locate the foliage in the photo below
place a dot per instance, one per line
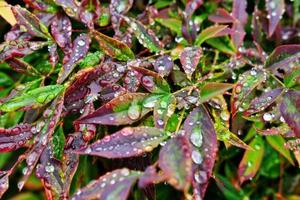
(111, 99)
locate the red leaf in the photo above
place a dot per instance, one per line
(15, 138)
(113, 185)
(125, 109)
(80, 48)
(290, 110)
(199, 129)
(275, 10)
(128, 142)
(176, 163)
(163, 65)
(239, 11)
(221, 16)
(189, 59)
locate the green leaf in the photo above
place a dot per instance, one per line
(163, 110)
(91, 59)
(145, 36)
(171, 23)
(251, 160)
(210, 32)
(113, 47)
(33, 99)
(5, 80)
(293, 79)
(277, 142)
(210, 90)
(58, 141)
(223, 44)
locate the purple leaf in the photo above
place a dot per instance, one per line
(275, 10)
(290, 110)
(4, 182)
(262, 102)
(124, 109)
(128, 142)
(53, 55)
(40, 5)
(176, 163)
(199, 129)
(30, 22)
(152, 81)
(237, 33)
(71, 7)
(89, 11)
(13, 49)
(22, 67)
(163, 65)
(283, 59)
(188, 97)
(15, 138)
(132, 80)
(61, 30)
(163, 110)
(239, 11)
(45, 129)
(111, 91)
(80, 48)
(189, 59)
(221, 16)
(113, 185)
(117, 7)
(247, 82)
(191, 6)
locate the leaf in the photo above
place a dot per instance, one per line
(30, 22)
(120, 6)
(61, 30)
(113, 185)
(221, 16)
(210, 32)
(275, 10)
(239, 11)
(132, 80)
(189, 59)
(262, 102)
(247, 82)
(42, 5)
(199, 129)
(223, 44)
(237, 34)
(251, 161)
(152, 81)
(71, 7)
(6, 13)
(225, 135)
(124, 109)
(80, 48)
(163, 110)
(5, 80)
(4, 182)
(22, 67)
(211, 90)
(13, 49)
(89, 11)
(15, 138)
(163, 65)
(277, 142)
(290, 110)
(58, 141)
(283, 59)
(128, 142)
(44, 128)
(172, 23)
(113, 47)
(32, 99)
(145, 36)
(175, 161)
(293, 79)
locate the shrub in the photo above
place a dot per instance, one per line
(110, 100)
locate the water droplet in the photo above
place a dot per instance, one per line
(24, 171)
(197, 157)
(225, 115)
(281, 119)
(238, 89)
(81, 43)
(267, 117)
(21, 184)
(160, 122)
(148, 148)
(49, 168)
(134, 111)
(196, 137)
(253, 72)
(249, 163)
(200, 177)
(88, 150)
(125, 172)
(102, 185)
